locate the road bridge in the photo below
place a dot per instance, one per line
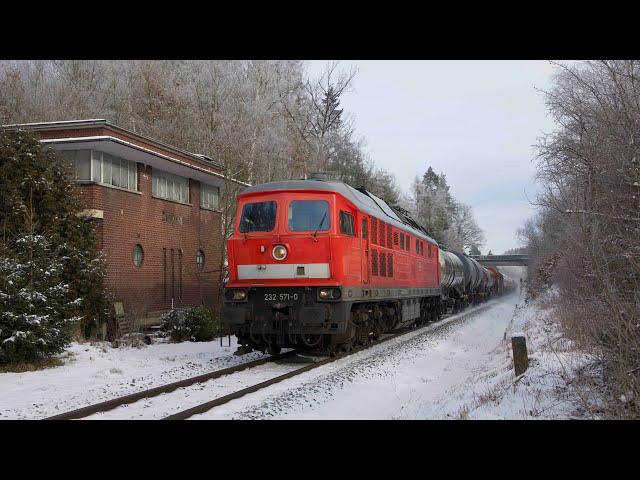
(515, 260)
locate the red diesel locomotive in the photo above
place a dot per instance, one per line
(317, 264)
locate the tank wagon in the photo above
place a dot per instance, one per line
(320, 265)
(498, 281)
(452, 281)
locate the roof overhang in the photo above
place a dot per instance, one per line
(121, 148)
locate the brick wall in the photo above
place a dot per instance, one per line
(138, 218)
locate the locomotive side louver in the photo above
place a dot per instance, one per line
(374, 262)
(383, 264)
(390, 264)
(374, 230)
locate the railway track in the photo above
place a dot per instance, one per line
(206, 406)
(169, 387)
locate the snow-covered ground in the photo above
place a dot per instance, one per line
(453, 369)
(460, 367)
(95, 373)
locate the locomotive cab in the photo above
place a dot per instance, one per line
(284, 264)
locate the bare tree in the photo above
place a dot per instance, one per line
(585, 239)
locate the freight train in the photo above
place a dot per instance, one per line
(317, 264)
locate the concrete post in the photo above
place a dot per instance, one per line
(520, 355)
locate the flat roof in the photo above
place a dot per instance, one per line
(98, 122)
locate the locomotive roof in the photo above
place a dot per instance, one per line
(364, 200)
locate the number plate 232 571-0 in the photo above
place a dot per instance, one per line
(281, 299)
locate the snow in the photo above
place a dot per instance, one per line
(460, 367)
(98, 372)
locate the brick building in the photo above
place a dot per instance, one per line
(156, 207)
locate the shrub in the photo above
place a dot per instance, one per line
(51, 271)
(198, 324)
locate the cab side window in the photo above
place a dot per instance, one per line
(347, 225)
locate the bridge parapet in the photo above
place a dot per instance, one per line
(515, 260)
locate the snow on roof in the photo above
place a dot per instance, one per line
(59, 122)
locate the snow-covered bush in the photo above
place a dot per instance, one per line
(51, 270)
(195, 324)
(36, 315)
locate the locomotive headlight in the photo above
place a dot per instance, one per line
(279, 252)
(236, 294)
(239, 294)
(329, 293)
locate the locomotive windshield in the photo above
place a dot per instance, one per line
(258, 217)
(309, 216)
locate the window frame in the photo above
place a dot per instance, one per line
(275, 217)
(214, 189)
(200, 254)
(327, 219)
(351, 223)
(167, 182)
(133, 255)
(98, 169)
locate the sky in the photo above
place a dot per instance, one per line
(475, 121)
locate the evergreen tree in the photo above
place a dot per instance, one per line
(447, 220)
(51, 272)
(37, 316)
(331, 118)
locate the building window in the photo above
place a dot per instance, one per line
(209, 196)
(200, 259)
(170, 187)
(100, 167)
(138, 255)
(81, 163)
